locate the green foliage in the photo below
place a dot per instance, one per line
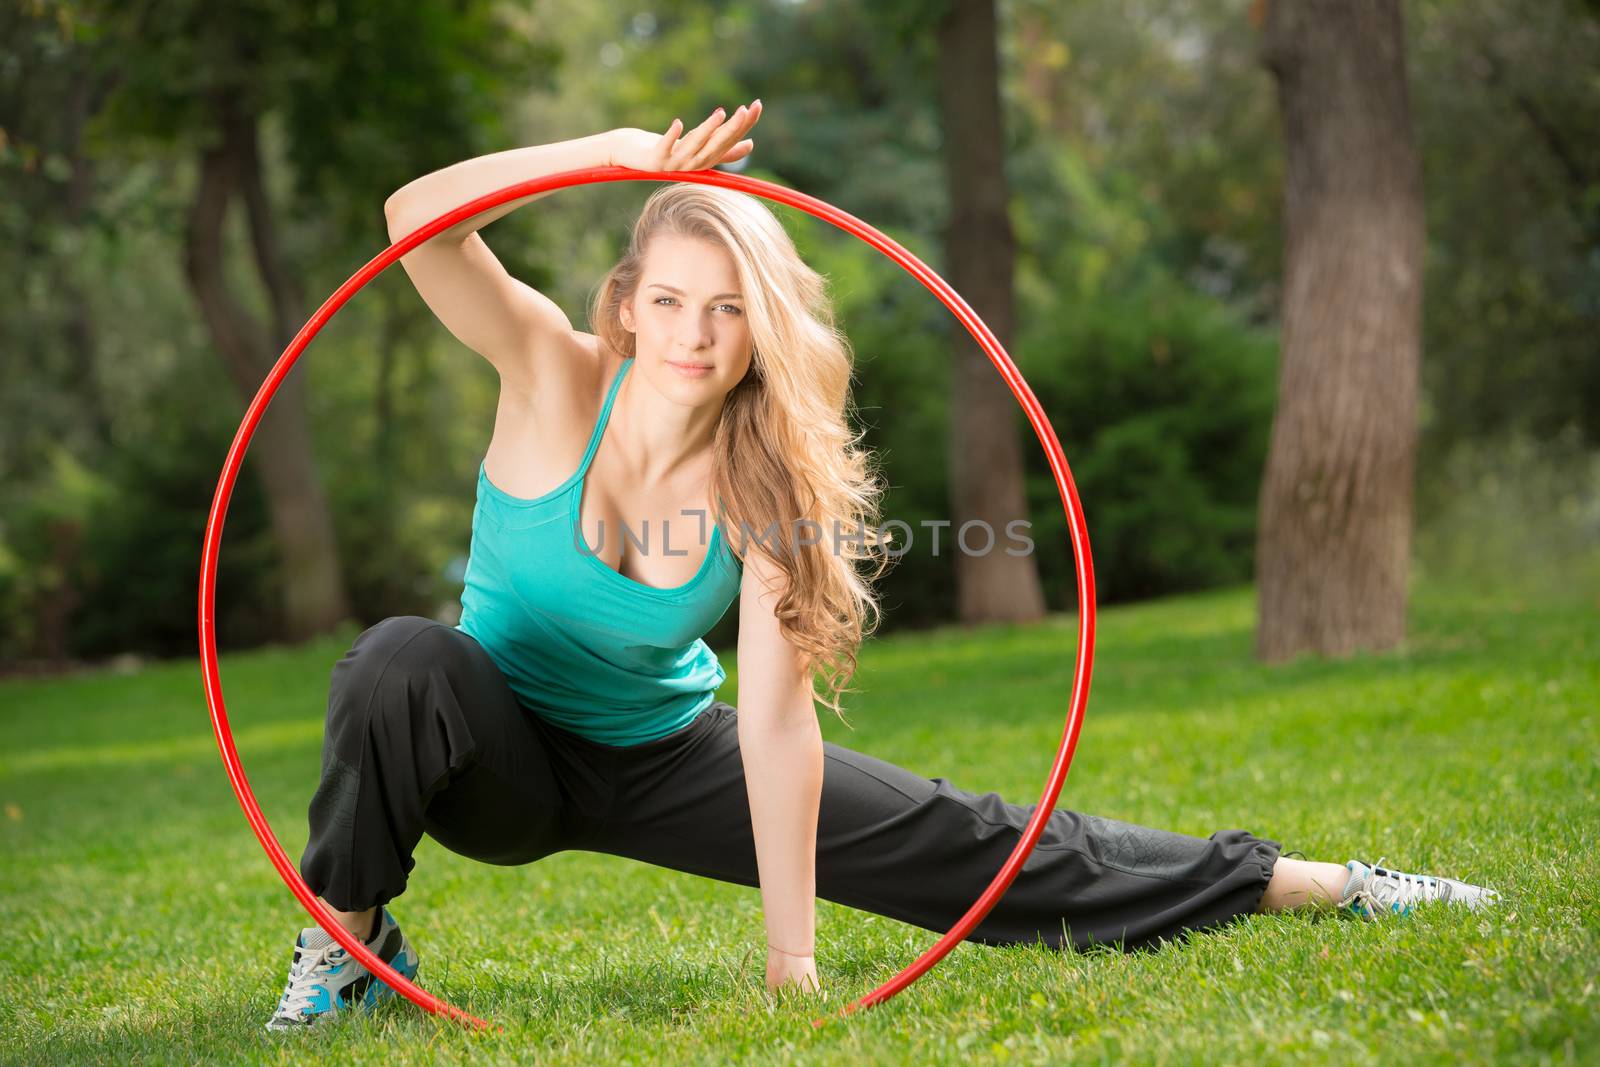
(1162, 395)
(852, 112)
(899, 335)
(369, 94)
(140, 569)
(1507, 105)
(117, 549)
(357, 98)
(1143, 152)
(41, 533)
(1513, 512)
(1163, 403)
(386, 562)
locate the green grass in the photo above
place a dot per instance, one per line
(142, 923)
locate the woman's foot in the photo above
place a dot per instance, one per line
(1373, 891)
(324, 979)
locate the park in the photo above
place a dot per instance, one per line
(1310, 321)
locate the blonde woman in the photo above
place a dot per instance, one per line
(638, 480)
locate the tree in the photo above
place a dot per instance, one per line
(862, 97)
(49, 93)
(230, 167)
(1507, 103)
(986, 467)
(1334, 542)
(362, 120)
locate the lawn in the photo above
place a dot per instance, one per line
(143, 924)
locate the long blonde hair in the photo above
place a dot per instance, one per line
(786, 469)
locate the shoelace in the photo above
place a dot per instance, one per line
(309, 966)
(1385, 888)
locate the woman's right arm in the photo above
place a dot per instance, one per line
(504, 320)
(509, 323)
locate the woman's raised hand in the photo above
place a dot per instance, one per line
(719, 139)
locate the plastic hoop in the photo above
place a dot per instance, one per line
(767, 190)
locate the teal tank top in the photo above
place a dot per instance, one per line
(583, 646)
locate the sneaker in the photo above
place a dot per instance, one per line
(1374, 890)
(325, 979)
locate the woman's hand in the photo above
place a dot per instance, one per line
(798, 971)
(712, 142)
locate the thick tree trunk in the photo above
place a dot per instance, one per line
(1334, 548)
(986, 469)
(314, 597)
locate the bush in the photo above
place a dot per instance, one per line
(140, 568)
(1162, 398)
(1163, 401)
(41, 542)
(97, 561)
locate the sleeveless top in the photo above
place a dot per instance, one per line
(584, 646)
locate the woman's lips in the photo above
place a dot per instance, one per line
(691, 370)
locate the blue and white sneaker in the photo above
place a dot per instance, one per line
(325, 979)
(1374, 891)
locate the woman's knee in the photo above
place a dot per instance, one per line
(394, 635)
(396, 652)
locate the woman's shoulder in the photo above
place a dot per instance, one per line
(572, 383)
(542, 422)
(600, 367)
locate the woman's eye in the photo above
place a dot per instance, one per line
(731, 307)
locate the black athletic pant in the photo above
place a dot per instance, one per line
(424, 735)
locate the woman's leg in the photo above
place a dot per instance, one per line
(921, 851)
(1300, 882)
(423, 735)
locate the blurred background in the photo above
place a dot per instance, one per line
(182, 183)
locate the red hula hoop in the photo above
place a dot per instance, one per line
(594, 175)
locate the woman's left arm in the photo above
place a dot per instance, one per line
(780, 744)
(782, 754)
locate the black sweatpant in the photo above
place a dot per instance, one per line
(424, 735)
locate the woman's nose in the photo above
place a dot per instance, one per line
(698, 333)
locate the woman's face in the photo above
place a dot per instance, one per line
(692, 339)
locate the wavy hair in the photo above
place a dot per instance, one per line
(786, 469)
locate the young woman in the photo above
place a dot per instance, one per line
(638, 480)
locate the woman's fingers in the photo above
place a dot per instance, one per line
(664, 147)
(736, 146)
(751, 115)
(688, 149)
(726, 137)
(717, 144)
(716, 140)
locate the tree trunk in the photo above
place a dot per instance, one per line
(52, 638)
(314, 597)
(986, 469)
(1334, 544)
(84, 102)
